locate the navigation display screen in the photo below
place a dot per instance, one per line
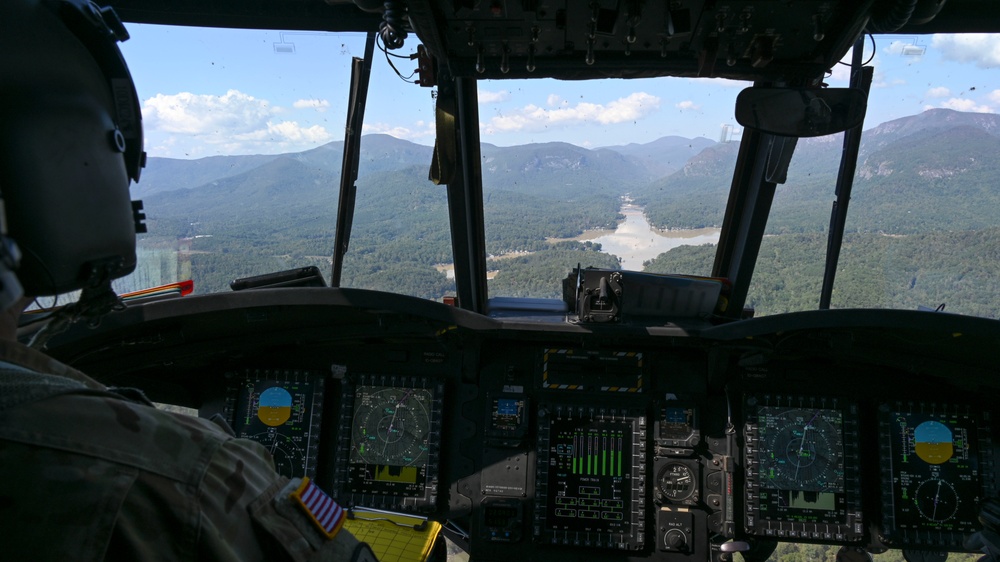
(389, 444)
(802, 468)
(933, 474)
(390, 437)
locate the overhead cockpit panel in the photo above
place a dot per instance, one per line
(739, 39)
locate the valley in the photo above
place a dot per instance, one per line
(221, 218)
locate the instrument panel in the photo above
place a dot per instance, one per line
(629, 459)
(597, 445)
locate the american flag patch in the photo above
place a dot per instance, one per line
(324, 512)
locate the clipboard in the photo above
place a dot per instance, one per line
(394, 537)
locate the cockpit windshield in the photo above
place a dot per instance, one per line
(245, 135)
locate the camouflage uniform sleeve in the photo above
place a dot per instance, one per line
(247, 513)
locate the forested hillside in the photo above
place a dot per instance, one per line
(281, 214)
(923, 228)
(922, 223)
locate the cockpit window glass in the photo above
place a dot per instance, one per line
(921, 229)
(244, 132)
(630, 174)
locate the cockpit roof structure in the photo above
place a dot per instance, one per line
(746, 40)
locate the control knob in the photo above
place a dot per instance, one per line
(675, 540)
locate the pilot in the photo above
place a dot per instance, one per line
(88, 473)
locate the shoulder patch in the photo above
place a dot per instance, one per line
(324, 512)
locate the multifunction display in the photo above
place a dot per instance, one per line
(589, 480)
(390, 437)
(802, 468)
(933, 472)
(282, 410)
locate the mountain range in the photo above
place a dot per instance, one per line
(238, 208)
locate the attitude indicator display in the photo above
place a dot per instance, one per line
(589, 478)
(934, 474)
(281, 410)
(802, 468)
(390, 437)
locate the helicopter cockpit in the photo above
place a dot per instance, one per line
(636, 416)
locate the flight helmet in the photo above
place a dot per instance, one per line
(70, 142)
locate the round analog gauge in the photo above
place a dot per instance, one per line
(676, 482)
(936, 500)
(805, 449)
(391, 426)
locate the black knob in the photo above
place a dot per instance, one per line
(675, 539)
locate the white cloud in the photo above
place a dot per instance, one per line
(533, 118)
(994, 96)
(486, 96)
(554, 100)
(198, 114)
(979, 48)
(423, 130)
(187, 124)
(687, 105)
(318, 105)
(940, 92)
(840, 74)
(962, 104)
(291, 131)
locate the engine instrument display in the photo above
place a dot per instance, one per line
(589, 488)
(391, 430)
(802, 468)
(281, 410)
(933, 475)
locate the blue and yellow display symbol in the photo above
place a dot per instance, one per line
(932, 441)
(275, 406)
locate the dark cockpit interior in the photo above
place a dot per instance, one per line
(641, 417)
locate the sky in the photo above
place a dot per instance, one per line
(207, 92)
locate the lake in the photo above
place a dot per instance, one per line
(635, 241)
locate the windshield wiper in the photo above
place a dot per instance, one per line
(360, 74)
(861, 78)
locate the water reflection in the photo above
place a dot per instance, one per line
(635, 241)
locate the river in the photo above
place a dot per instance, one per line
(635, 241)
